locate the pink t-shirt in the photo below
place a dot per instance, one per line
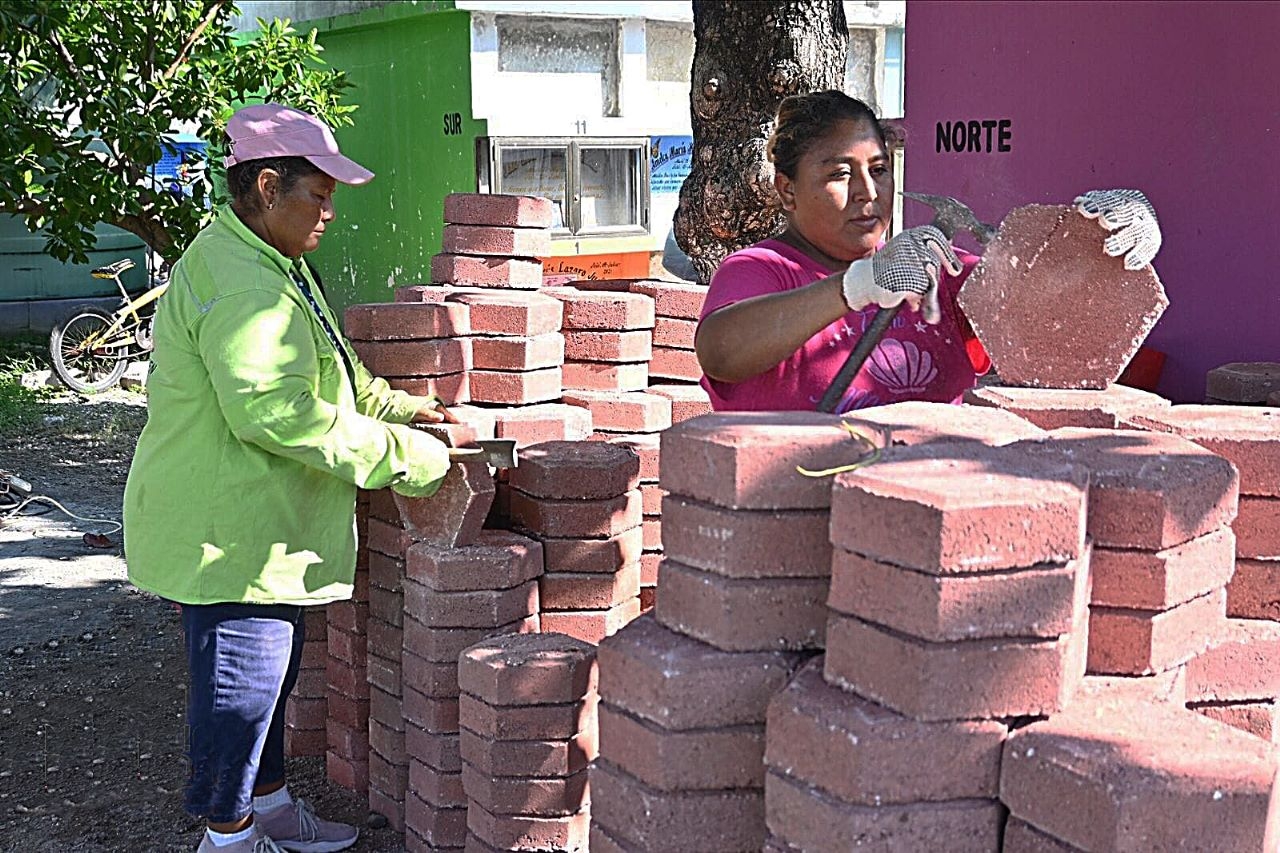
(914, 361)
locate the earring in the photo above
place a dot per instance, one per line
(271, 205)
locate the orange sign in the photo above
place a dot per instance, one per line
(595, 267)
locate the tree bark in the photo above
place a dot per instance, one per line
(747, 57)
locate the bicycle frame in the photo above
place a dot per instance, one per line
(122, 333)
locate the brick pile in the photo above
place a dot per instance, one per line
(582, 502)
(307, 711)
(346, 676)
(1244, 383)
(647, 447)
(1160, 510)
(494, 241)
(528, 723)
(608, 339)
(677, 306)
(421, 348)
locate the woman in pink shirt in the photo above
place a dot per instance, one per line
(781, 317)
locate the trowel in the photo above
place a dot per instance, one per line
(494, 452)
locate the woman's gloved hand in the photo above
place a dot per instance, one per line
(1130, 218)
(905, 270)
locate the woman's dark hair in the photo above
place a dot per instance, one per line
(242, 178)
(804, 119)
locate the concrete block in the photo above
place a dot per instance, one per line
(594, 555)
(498, 559)
(591, 626)
(605, 376)
(530, 669)
(576, 470)
(1247, 382)
(508, 211)
(1141, 642)
(476, 271)
(1054, 408)
(398, 321)
(589, 591)
(633, 411)
(689, 760)
(434, 357)
(1160, 580)
(576, 518)
(602, 310)
(542, 422)
(515, 387)
(513, 353)
(742, 543)
(1247, 436)
(493, 241)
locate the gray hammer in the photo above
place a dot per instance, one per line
(950, 216)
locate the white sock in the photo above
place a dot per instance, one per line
(272, 801)
(222, 839)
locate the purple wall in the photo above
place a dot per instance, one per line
(1178, 99)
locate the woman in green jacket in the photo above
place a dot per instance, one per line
(240, 504)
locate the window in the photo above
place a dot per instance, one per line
(600, 186)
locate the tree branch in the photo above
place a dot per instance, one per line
(210, 14)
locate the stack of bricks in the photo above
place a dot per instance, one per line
(1244, 383)
(647, 448)
(741, 592)
(454, 597)
(1160, 510)
(582, 502)
(608, 338)
(307, 711)
(952, 610)
(528, 720)
(1237, 682)
(347, 685)
(677, 305)
(420, 348)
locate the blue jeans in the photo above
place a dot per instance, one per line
(243, 660)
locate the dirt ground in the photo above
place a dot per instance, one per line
(92, 671)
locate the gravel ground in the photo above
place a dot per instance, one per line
(92, 672)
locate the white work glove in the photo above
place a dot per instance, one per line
(1130, 217)
(905, 270)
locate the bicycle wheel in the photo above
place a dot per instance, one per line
(84, 368)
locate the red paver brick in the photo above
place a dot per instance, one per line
(435, 357)
(1168, 687)
(345, 773)
(480, 608)
(595, 345)
(1022, 837)
(1054, 408)
(388, 538)
(588, 591)
(1159, 580)
(1260, 719)
(507, 795)
(747, 460)
(1248, 436)
(1257, 528)
(673, 299)
(441, 751)
(515, 353)
(672, 363)
(604, 376)
(649, 819)
(528, 669)
(432, 714)
(521, 832)
(594, 555)
(811, 820)
(1243, 381)
(384, 673)
(588, 309)
(648, 447)
(680, 683)
(674, 332)
(311, 683)
(388, 744)
(576, 470)
(1147, 490)
(528, 722)
(1254, 590)
(347, 742)
(576, 518)
(916, 422)
(648, 597)
(475, 271)
(652, 530)
(538, 759)
(440, 789)
(863, 753)
(385, 776)
(1140, 642)
(962, 507)
(687, 401)
(303, 742)
(970, 679)
(495, 312)
(443, 645)
(398, 321)
(432, 679)
(480, 421)
(1034, 602)
(689, 760)
(511, 211)
(746, 543)
(742, 614)
(450, 389)
(345, 680)
(386, 577)
(649, 563)
(591, 626)
(542, 422)
(350, 616)
(1244, 666)
(498, 559)
(494, 241)
(623, 411)
(651, 495)
(455, 514)
(1013, 300)
(349, 711)
(435, 829)
(515, 387)
(1124, 775)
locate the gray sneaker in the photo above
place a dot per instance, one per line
(256, 843)
(296, 828)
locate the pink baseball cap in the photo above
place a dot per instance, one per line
(274, 130)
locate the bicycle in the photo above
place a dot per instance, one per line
(93, 349)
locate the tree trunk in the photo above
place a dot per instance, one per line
(747, 57)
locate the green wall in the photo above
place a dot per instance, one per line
(411, 66)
